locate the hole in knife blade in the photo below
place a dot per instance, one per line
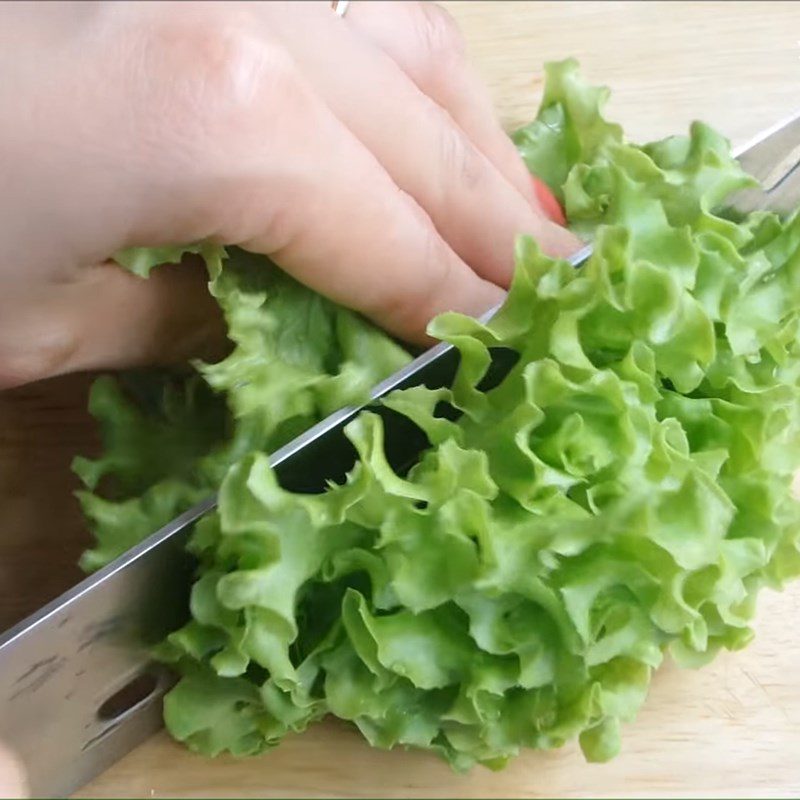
(131, 695)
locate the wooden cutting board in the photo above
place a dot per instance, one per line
(732, 729)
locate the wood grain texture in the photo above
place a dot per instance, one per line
(732, 729)
(736, 65)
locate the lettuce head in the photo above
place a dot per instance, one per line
(623, 494)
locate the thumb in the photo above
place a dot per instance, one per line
(107, 318)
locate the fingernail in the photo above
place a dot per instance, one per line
(548, 202)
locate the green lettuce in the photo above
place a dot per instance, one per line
(170, 436)
(622, 494)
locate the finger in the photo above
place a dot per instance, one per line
(107, 318)
(328, 213)
(476, 210)
(12, 776)
(252, 156)
(424, 41)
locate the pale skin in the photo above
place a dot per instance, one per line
(12, 779)
(360, 153)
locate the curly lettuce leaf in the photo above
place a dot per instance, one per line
(296, 357)
(623, 494)
(154, 426)
(141, 260)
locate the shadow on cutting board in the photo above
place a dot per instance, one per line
(42, 531)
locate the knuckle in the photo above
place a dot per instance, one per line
(279, 226)
(441, 43)
(209, 100)
(461, 165)
(413, 302)
(199, 75)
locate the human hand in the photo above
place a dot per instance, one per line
(12, 778)
(360, 153)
